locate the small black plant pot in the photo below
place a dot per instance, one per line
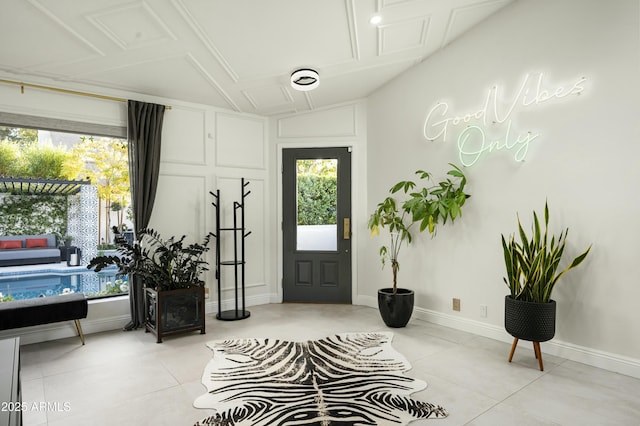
(395, 309)
(535, 322)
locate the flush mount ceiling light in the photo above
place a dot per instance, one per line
(305, 79)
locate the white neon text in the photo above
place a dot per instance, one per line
(473, 140)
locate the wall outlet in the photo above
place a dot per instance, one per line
(206, 292)
(456, 304)
(483, 311)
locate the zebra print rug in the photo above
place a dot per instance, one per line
(346, 379)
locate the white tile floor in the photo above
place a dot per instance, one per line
(125, 378)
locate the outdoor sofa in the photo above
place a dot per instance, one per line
(16, 250)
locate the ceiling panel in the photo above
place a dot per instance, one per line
(132, 26)
(403, 35)
(232, 54)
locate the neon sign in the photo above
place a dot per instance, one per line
(473, 141)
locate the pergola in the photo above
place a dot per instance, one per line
(35, 186)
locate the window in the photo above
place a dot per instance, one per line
(40, 148)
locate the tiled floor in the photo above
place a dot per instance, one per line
(125, 378)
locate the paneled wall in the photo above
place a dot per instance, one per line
(203, 149)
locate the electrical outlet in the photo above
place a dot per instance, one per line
(206, 292)
(483, 311)
(456, 304)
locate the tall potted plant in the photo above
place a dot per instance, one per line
(426, 207)
(532, 273)
(171, 272)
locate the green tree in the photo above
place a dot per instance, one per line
(105, 162)
(33, 161)
(21, 136)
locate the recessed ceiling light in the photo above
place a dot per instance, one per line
(375, 19)
(305, 79)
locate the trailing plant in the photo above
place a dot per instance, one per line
(33, 214)
(163, 264)
(532, 262)
(428, 206)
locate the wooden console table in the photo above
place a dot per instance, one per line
(10, 390)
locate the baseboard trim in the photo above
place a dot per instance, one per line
(65, 329)
(595, 358)
(211, 305)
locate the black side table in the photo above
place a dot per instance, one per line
(64, 253)
(74, 256)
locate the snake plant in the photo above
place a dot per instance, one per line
(532, 263)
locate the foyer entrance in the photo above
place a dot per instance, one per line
(316, 225)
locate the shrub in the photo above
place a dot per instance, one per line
(317, 200)
(44, 162)
(9, 159)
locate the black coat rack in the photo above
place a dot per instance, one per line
(238, 262)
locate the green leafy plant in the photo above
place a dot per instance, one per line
(532, 262)
(163, 264)
(317, 199)
(428, 206)
(33, 214)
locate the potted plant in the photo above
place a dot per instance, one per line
(171, 272)
(67, 240)
(425, 207)
(531, 265)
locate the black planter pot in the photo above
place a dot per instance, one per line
(395, 309)
(531, 321)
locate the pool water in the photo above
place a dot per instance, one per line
(50, 283)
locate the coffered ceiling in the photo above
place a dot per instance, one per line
(234, 54)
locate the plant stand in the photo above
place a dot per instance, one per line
(238, 262)
(535, 322)
(170, 312)
(536, 351)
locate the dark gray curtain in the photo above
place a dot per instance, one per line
(144, 133)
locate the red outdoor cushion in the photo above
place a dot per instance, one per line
(11, 244)
(36, 242)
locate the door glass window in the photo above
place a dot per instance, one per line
(317, 196)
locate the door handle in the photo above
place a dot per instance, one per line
(346, 229)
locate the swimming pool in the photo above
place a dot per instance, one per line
(94, 285)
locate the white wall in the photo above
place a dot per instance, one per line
(584, 162)
(203, 149)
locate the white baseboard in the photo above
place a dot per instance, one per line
(593, 357)
(61, 330)
(605, 360)
(211, 304)
(601, 359)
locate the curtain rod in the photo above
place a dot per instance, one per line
(67, 91)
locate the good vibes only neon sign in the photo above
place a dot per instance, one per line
(473, 139)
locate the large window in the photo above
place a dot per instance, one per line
(62, 150)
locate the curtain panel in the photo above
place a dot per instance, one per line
(144, 133)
